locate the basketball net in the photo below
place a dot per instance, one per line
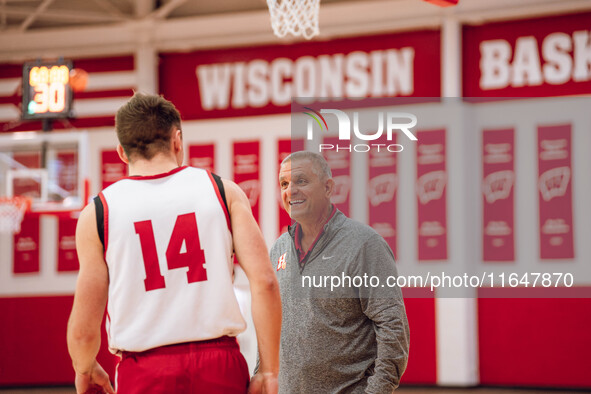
(12, 211)
(296, 17)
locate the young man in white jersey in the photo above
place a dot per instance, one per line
(158, 246)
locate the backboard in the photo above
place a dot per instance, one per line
(49, 168)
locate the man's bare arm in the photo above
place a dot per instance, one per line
(84, 336)
(251, 252)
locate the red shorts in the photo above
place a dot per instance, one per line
(214, 366)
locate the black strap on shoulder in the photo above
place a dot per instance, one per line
(100, 219)
(100, 211)
(218, 181)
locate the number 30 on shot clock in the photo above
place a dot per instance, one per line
(46, 90)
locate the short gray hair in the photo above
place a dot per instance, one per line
(320, 166)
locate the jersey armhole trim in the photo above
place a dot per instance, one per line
(100, 219)
(105, 223)
(218, 187)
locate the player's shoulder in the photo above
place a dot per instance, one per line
(193, 171)
(234, 193)
(87, 222)
(115, 186)
(230, 184)
(89, 211)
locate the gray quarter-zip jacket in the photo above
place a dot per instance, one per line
(350, 338)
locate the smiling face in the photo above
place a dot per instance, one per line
(305, 193)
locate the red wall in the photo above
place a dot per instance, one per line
(535, 342)
(422, 360)
(33, 342)
(40, 356)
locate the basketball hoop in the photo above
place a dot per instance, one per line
(297, 17)
(12, 211)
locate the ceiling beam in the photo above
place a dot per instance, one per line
(31, 18)
(65, 15)
(111, 8)
(252, 28)
(143, 7)
(166, 9)
(3, 15)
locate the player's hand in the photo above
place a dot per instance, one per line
(264, 383)
(96, 381)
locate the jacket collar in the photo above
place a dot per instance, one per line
(330, 228)
(291, 229)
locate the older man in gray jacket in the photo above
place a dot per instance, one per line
(344, 324)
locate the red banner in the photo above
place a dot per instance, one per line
(67, 258)
(555, 192)
(202, 156)
(431, 195)
(112, 168)
(528, 58)
(263, 79)
(339, 162)
(26, 247)
(284, 149)
(498, 203)
(247, 172)
(381, 192)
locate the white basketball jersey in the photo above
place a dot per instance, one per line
(168, 248)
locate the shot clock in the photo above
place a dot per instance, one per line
(46, 90)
